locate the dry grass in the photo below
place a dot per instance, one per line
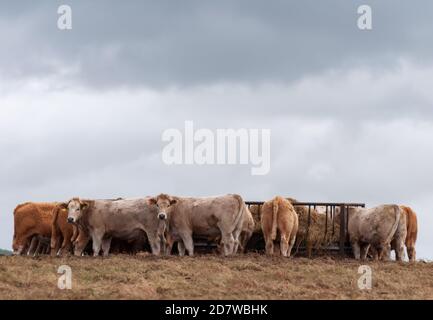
(208, 276)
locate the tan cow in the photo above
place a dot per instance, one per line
(375, 227)
(31, 219)
(247, 231)
(62, 233)
(124, 219)
(412, 232)
(410, 224)
(205, 217)
(279, 214)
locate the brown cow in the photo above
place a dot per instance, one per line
(279, 214)
(62, 232)
(31, 219)
(204, 217)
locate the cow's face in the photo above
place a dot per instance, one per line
(16, 247)
(164, 204)
(76, 208)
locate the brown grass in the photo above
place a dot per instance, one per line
(209, 276)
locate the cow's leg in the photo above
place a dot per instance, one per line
(66, 247)
(188, 243)
(33, 245)
(269, 245)
(228, 243)
(163, 244)
(356, 250)
(169, 247)
(237, 238)
(75, 233)
(39, 247)
(181, 248)
(155, 244)
(411, 253)
(284, 244)
(291, 244)
(382, 251)
(80, 244)
(106, 246)
(364, 250)
(47, 248)
(55, 245)
(97, 242)
(399, 250)
(372, 252)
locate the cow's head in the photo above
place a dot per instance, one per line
(164, 203)
(75, 208)
(17, 247)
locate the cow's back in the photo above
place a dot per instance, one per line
(34, 215)
(375, 225)
(204, 215)
(124, 218)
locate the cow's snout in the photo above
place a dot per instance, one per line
(162, 216)
(70, 220)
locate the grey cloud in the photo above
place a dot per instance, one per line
(146, 43)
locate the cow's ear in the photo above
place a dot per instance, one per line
(152, 201)
(173, 201)
(84, 206)
(63, 205)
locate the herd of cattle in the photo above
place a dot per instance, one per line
(88, 226)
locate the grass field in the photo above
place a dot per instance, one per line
(208, 276)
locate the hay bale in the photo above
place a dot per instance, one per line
(320, 233)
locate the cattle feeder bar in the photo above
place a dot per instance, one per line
(344, 216)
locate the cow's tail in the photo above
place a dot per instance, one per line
(239, 217)
(411, 224)
(395, 225)
(54, 227)
(274, 218)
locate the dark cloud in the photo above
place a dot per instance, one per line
(159, 44)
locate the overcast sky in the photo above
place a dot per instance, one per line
(350, 112)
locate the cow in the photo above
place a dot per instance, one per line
(104, 219)
(279, 214)
(31, 219)
(207, 217)
(412, 232)
(247, 230)
(409, 223)
(62, 233)
(375, 227)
